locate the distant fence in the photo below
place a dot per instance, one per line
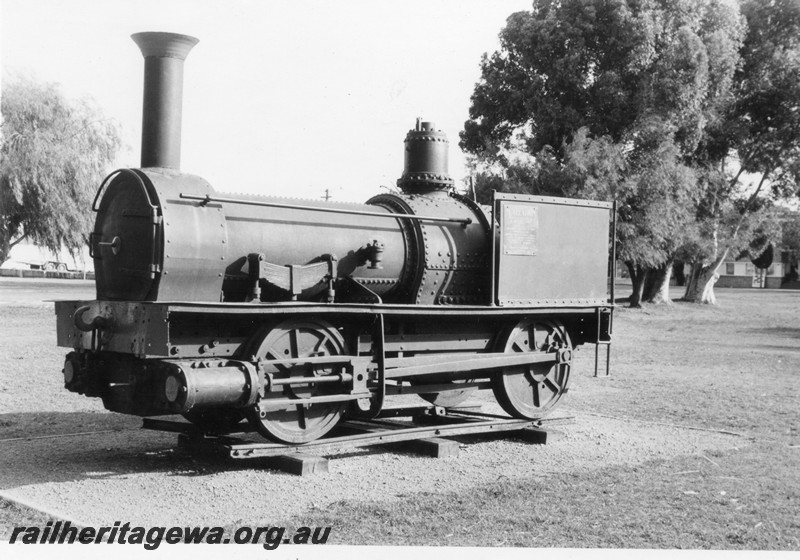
(23, 273)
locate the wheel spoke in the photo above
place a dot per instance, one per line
(550, 382)
(301, 416)
(285, 369)
(322, 341)
(293, 350)
(555, 387)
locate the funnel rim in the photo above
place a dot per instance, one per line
(164, 44)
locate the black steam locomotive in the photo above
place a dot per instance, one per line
(293, 314)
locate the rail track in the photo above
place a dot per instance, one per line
(425, 430)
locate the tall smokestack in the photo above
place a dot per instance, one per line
(164, 54)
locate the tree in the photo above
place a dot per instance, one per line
(54, 153)
(761, 128)
(790, 244)
(656, 217)
(726, 225)
(642, 78)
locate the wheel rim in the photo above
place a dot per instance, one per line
(531, 391)
(298, 339)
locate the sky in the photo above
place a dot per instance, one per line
(280, 98)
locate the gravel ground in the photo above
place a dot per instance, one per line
(125, 473)
(139, 476)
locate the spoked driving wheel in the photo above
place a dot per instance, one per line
(530, 391)
(298, 423)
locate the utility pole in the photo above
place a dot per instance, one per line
(327, 196)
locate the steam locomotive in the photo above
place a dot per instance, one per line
(293, 314)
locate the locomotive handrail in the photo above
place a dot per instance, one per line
(205, 199)
(103, 184)
(113, 175)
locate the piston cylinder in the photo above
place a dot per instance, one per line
(231, 384)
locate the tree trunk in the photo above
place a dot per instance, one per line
(638, 277)
(700, 287)
(677, 273)
(6, 244)
(656, 289)
(5, 249)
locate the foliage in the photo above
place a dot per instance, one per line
(729, 222)
(790, 232)
(603, 64)
(658, 198)
(767, 110)
(54, 151)
(790, 242)
(591, 168)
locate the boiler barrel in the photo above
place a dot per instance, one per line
(289, 236)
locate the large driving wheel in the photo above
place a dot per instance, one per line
(530, 391)
(299, 423)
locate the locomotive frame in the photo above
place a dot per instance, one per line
(203, 310)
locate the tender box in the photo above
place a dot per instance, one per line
(550, 251)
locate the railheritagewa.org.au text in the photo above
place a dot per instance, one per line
(63, 532)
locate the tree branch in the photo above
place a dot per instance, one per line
(736, 178)
(749, 204)
(17, 241)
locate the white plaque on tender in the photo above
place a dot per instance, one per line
(520, 223)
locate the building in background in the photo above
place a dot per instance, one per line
(742, 273)
(27, 256)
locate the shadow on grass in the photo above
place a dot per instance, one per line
(791, 332)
